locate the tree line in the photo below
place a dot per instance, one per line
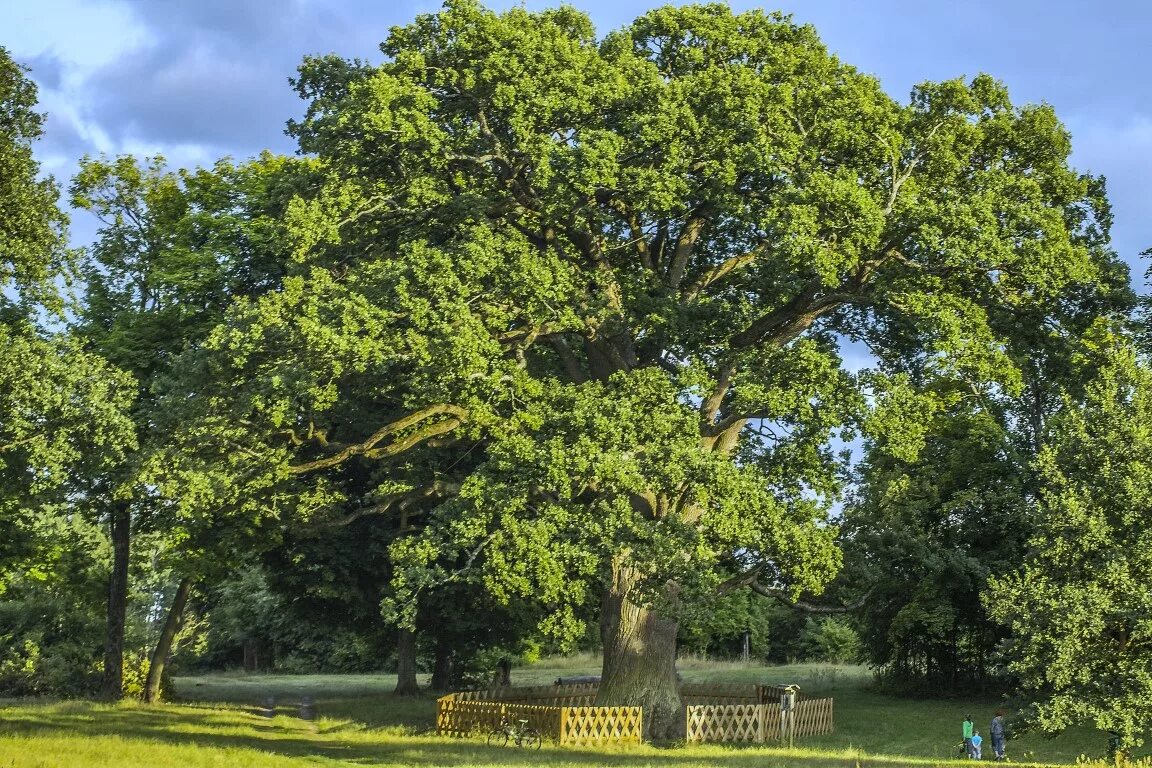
(538, 342)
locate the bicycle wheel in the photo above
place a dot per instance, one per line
(498, 738)
(531, 739)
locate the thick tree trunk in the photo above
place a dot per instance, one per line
(406, 663)
(120, 528)
(639, 660)
(442, 667)
(172, 624)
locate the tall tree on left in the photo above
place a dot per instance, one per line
(173, 250)
(63, 410)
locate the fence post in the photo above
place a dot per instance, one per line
(563, 725)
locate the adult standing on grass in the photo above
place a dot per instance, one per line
(968, 726)
(997, 734)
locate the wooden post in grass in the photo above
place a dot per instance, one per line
(788, 712)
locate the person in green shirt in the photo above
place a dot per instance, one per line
(968, 726)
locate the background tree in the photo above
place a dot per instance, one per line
(62, 416)
(1079, 609)
(173, 250)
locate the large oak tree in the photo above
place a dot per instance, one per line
(616, 273)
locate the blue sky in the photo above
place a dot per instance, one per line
(197, 79)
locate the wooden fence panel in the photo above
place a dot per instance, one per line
(771, 730)
(718, 693)
(601, 725)
(770, 694)
(725, 722)
(756, 722)
(814, 717)
(575, 695)
(732, 693)
(463, 718)
(456, 717)
(584, 694)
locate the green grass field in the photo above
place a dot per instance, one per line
(219, 722)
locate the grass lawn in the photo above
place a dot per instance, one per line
(219, 722)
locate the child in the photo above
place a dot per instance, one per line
(976, 742)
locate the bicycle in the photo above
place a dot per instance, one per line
(520, 733)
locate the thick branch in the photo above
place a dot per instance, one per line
(721, 270)
(568, 358)
(785, 323)
(438, 488)
(456, 414)
(711, 404)
(801, 605)
(685, 245)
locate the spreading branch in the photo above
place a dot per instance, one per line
(369, 448)
(802, 605)
(751, 579)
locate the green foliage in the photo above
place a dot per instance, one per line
(564, 307)
(1078, 608)
(928, 532)
(63, 422)
(836, 641)
(63, 426)
(32, 240)
(51, 610)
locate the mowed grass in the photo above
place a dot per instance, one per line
(220, 721)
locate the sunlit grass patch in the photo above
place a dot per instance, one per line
(223, 723)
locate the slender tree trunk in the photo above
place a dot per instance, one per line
(406, 663)
(120, 528)
(172, 624)
(251, 658)
(639, 660)
(442, 667)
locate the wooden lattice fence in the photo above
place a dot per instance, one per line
(564, 725)
(463, 718)
(757, 722)
(726, 722)
(726, 712)
(601, 725)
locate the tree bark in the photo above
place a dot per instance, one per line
(120, 526)
(172, 625)
(442, 667)
(639, 667)
(251, 655)
(406, 664)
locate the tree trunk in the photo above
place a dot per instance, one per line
(172, 624)
(406, 663)
(251, 657)
(120, 526)
(442, 667)
(639, 660)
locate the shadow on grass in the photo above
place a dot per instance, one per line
(216, 728)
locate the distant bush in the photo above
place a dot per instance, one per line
(836, 642)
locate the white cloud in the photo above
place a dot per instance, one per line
(83, 34)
